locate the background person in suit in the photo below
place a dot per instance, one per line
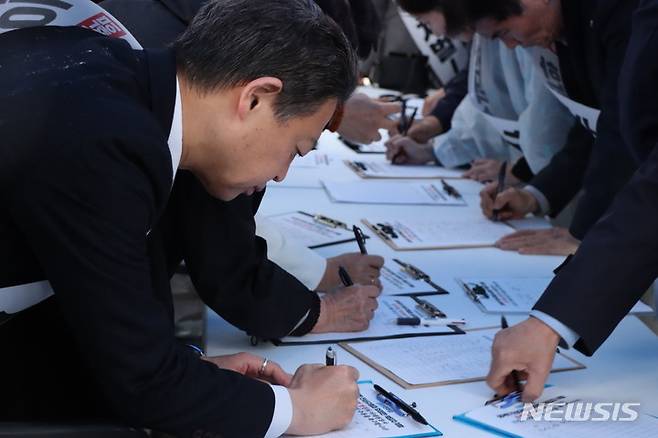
(243, 285)
(83, 186)
(589, 38)
(507, 115)
(617, 259)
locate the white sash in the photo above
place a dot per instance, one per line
(18, 14)
(509, 130)
(549, 65)
(445, 56)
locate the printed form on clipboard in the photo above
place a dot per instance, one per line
(384, 325)
(313, 230)
(514, 295)
(505, 417)
(377, 169)
(386, 192)
(408, 234)
(437, 360)
(399, 277)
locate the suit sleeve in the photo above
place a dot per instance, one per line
(562, 178)
(614, 266)
(455, 91)
(85, 211)
(229, 267)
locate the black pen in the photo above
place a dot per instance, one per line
(345, 277)
(403, 117)
(405, 131)
(360, 239)
(330, 357)
(401, 404)
(514, 373)
(501, 186)
(410, 122)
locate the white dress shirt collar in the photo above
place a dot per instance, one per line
(175, 140)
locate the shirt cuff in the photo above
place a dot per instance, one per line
(301, 321)
(544, 205)
(302, 263)
(569, 336)
(282, 416)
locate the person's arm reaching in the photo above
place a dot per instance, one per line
(229, 267)
(615, 264)
(455, 91)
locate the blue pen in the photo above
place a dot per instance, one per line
(383, 400)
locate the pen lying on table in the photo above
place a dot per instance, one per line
(429, 322)
(401, 404)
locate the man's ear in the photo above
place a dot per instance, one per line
(258, 93)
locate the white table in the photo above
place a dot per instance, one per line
(624, 369)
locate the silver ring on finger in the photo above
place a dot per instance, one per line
(261, 370)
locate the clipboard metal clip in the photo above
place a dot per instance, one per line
(357, 166)
(475, 291)
(429, 308)
(413, 271)
(479, 291)
(386, 231)
(450, 190)
(326, 220)
(417, 274)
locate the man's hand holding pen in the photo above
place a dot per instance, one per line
(363, 268)
(323, 397)
(404, 150)
(347, 310)
(511, 203)
(529, 349)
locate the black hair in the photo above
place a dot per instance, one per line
(232, 42)
(497, 10)
(454, 11)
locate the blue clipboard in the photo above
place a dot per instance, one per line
(436, 432)
(463, 418)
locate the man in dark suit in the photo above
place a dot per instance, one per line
(618, 260)
(638, 101)
(589, 38)
(242, 285)
(93, 133)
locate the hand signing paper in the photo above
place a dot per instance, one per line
(512, 203)
(404, 150)
(528, 348)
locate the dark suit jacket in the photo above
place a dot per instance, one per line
(637, 84)
(85, 174)
(614, 266)
(618, 260)
(597, 33)
(228, 263)
(242, 285)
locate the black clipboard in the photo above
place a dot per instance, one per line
(454, 330)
